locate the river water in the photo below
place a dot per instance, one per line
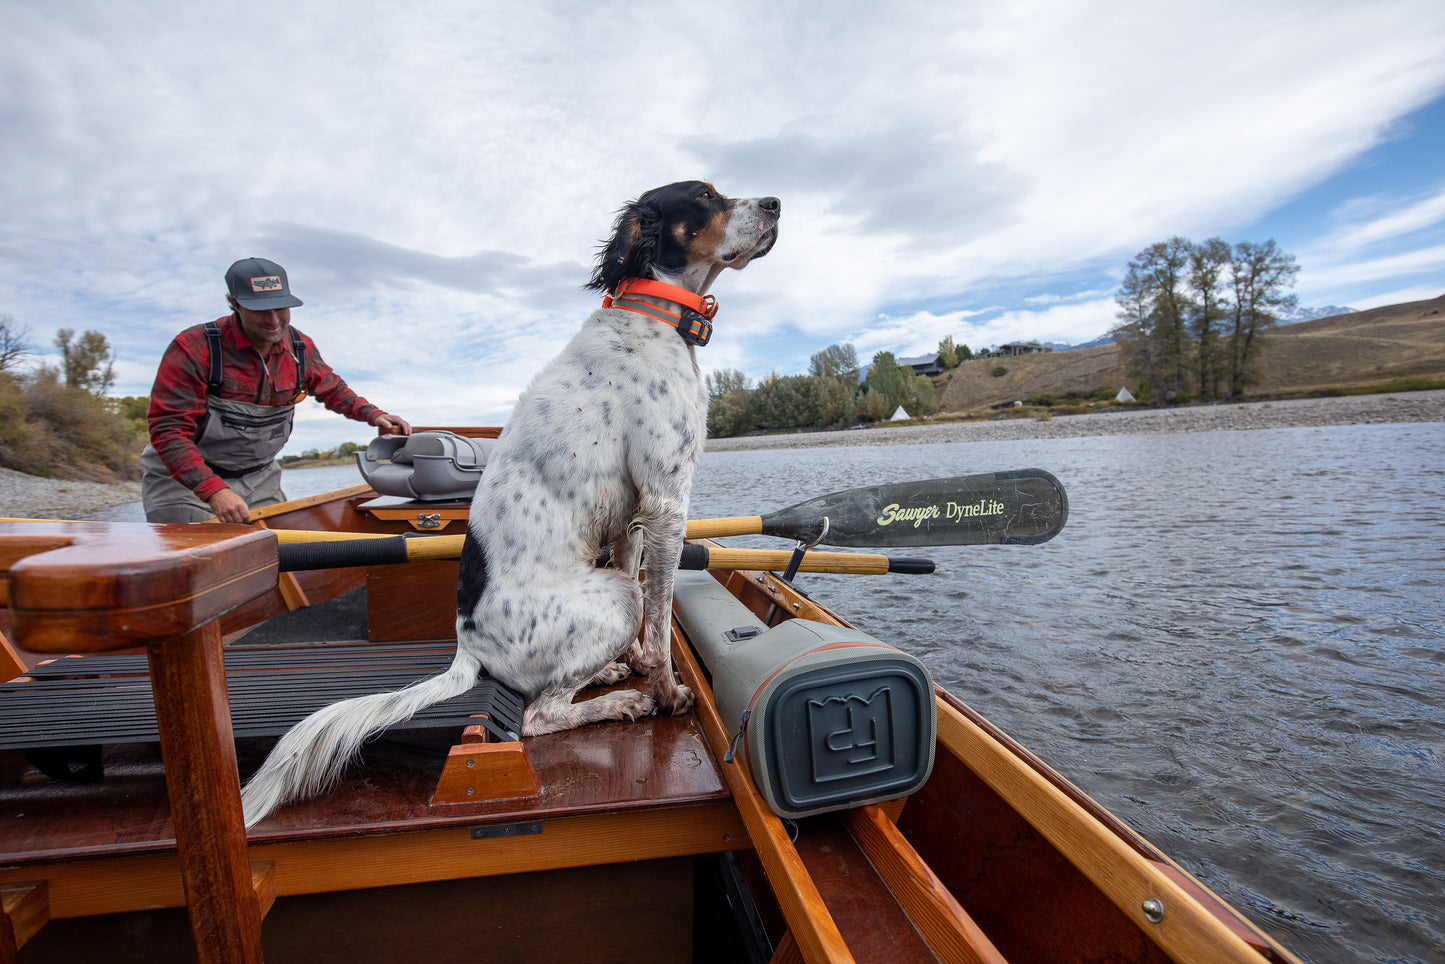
(1237, 645)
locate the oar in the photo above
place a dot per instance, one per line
(327, 553)
(1022, 507)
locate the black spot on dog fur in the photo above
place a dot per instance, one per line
(471, 582)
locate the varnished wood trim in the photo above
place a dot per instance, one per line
(468, 431)
(281, 508)
(787, 951)
(809, 921)
(110, 586)
(1187, 932)
(949, 930)
(291, 591)
(11, 665)
(188, 680)
(26, 909)
(263, 882)
(485, 771)
(109, 885)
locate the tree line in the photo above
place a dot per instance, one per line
(56, 420)
(1192, 316)
(834, 393)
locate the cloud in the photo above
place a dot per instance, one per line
(437, 181)
(1392, 267)
(345, 265)
(913, 179)
(1366, 222)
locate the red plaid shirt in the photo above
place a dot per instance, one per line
(178, 398)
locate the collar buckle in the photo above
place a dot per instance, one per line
(695, 329)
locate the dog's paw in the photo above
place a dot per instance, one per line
(635, 659)
(635, 705)
(679, 700)
(611, 673)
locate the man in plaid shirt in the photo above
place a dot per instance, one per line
(222, 405)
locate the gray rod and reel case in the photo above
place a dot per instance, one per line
(834, 717)
(431, 466)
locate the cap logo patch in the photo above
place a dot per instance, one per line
(266, 282)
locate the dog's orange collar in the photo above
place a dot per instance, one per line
(694, 319)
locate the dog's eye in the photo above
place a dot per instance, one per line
(705, 196)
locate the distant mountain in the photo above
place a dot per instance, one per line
(1104, 339)
(1287, 316)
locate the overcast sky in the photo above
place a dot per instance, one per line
(436, 177)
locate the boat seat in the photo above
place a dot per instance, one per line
(429, 466)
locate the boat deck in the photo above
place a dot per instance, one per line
(663, 763)
(617, 791)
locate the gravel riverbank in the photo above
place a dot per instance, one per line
(30, 497)
(1347, 410)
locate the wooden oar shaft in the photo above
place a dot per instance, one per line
(743, 525)
(291, 536)
(331, 553)
(776, 560)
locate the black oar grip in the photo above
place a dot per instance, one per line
(694, 558)
(913, 567)
(296, 556)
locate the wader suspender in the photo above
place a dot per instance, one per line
(213, 336)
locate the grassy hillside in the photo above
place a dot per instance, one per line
(1365, 350)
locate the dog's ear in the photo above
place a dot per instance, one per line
(633, 247)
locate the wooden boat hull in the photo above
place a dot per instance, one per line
(539, 850)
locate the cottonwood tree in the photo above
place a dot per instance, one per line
(1208, 266)
(1135, 333)
(1259, 275)
(784, 401)
(836, 361)
(886, 378)
(1190, 315)
(835, 374)
(87, 363)
(1157, 335)
(727, 410)
(12, 342)
(725, 381)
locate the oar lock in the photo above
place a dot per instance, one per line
(801, 548)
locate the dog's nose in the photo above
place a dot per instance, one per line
(771, 204)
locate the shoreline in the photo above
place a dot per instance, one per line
(1242, 416)
(32, 497)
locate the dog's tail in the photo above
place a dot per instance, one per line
(310, 757)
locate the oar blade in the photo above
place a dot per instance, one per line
(1020, 507)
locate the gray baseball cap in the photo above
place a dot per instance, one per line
(260, 285)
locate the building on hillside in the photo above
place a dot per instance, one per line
(1007, 351)
(924, 364)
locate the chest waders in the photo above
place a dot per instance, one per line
(238, 440)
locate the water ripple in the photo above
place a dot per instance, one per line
(1236, 645)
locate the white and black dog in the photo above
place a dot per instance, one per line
(597, 457)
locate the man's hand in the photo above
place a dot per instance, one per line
(230, 507)
(391, 424)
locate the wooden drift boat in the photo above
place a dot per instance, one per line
(655, 840)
